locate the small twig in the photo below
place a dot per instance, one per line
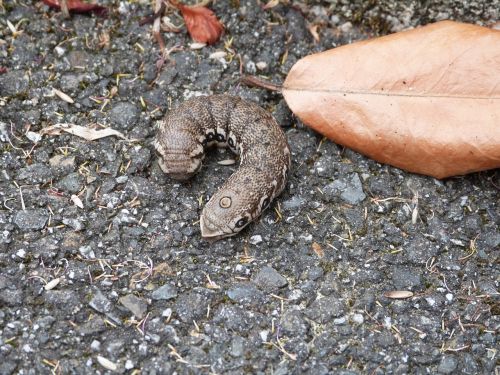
(254, 81)
(156, 25)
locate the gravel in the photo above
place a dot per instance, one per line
(299, 291)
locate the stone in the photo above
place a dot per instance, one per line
(325, 309)
(10, 295)
(92, 326)
(191, 306)
(165, 292)
(14, 82)
(350, 190)
(136, 305)
(124, 115)
(448, 364)
(31, 219)
(100, 302)
(245, 294)
(406, 277)
(72, 183)
(35, 173)
(269, 279)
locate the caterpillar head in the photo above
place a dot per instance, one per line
(232, 208)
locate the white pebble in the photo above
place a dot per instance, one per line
(254, 240)
(339, 321)
(95, 345)
(358, 318)
(264, 335)
(33, 137)
(129, 365)
(449, 297)
(261, 65)
(167, 313)
(60, 51)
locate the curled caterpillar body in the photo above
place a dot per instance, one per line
(246, 129)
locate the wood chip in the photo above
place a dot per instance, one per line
(398, 294)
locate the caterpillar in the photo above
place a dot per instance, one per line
(186, 132)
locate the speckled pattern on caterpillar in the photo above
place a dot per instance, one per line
(248, 130)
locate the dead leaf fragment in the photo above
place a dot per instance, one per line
(425, 100)
(271, 4)
(398, 294)
(201, 22)
(106, 363)
(77, 6)
(63, 96)
(77, 201)
(81, 131)
(52, 284)
(318, 250)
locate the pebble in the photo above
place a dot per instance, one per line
(165, 292)
(237, 346)
(269, 279)
(324, 309)
(245, 294)
(72, 183)
(136, 305)
(35, 173)
(87, 252)
(254, 240)
(191, 306)
(124, 115)
(95, 345)
(31, 219)
(100, 302)
(350, 190)
(448, 364)
(406, 277)
(13, 83)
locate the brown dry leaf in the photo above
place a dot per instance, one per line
(398, 294)
(271, 4)
(201, 22)
(81, 131)
(318, 250)
(425, 100)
